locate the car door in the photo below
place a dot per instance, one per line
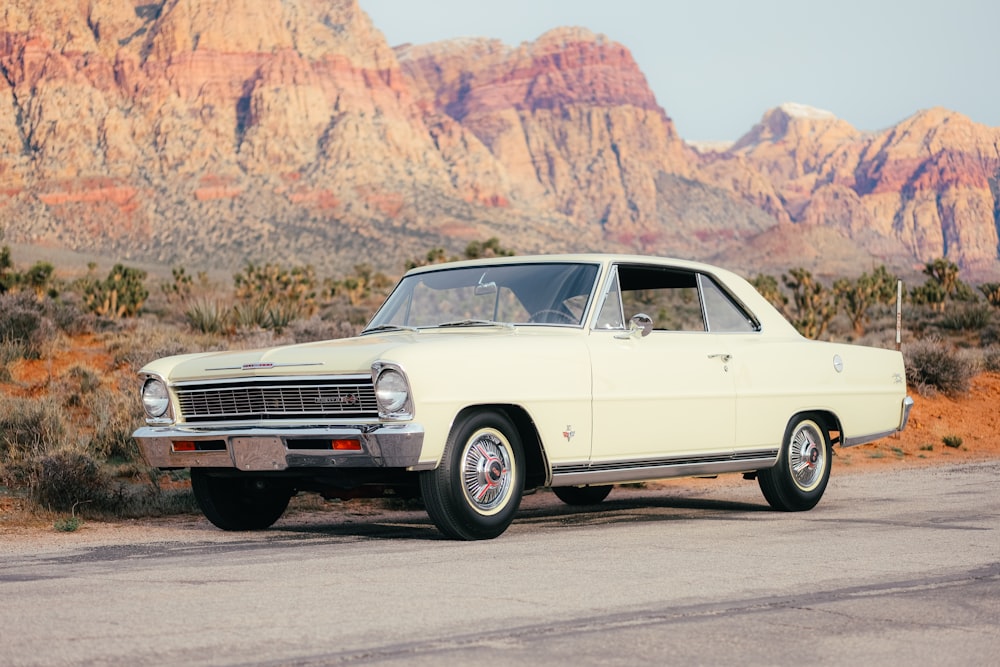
(666, 395)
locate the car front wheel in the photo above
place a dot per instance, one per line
(239, 503)
(475, 492)
(799, 479)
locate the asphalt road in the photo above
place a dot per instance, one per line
(892, 568)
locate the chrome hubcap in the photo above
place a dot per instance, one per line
(487, 471)
(807, 457)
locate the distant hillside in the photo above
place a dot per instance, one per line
(209, 133)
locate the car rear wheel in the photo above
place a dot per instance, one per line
(799, 479)
(239, 503)
(581, 495)
(475, 492)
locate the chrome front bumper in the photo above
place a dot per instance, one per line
(381, 446)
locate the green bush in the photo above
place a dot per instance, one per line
(953, 441)
(933, 365)
(121, 294)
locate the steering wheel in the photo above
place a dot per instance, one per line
(550, 316)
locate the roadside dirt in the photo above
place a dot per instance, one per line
(970, 423)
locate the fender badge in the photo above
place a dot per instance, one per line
(569, 432)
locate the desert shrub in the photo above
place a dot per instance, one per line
(991, 359)
(953, 441)
(115, 415)
(29, 428)
(65, 479)
(10, 351)
(271, 296)
(974, 317)
(149, 499)
(210, 316)
(69, 317)
(77, 386)
(147, 339)
(313, 329)
(933, 365)
(24, 328)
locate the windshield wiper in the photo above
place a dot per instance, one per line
(476, 323)
(388, 327)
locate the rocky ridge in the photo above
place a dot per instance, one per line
(187, 131)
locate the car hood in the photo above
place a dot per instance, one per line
(332, 357)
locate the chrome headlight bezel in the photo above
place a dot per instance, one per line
(155, 398)
(392, 392)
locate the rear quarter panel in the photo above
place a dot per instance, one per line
(778, 378)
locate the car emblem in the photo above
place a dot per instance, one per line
(569, 433)
(348, 399)
(256, 365)
(261, 365)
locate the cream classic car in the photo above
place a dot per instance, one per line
(477, 380)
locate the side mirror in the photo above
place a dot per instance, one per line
(640, 323)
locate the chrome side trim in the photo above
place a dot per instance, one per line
(618, 472)
(382, 446)
(864, 439)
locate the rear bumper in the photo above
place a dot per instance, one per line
(907, 406)
(379, 446)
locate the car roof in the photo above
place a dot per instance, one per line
(594, 258)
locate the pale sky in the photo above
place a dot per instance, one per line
(716, 66)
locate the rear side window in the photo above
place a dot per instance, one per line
(722, 313)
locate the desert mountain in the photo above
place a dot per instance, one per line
(215, 132)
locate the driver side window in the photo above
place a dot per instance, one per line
(668, 296)
(674, 299)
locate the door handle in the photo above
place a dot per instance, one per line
(726, 358)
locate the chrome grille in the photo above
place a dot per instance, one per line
(270, 398)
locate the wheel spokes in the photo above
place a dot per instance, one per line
(486, 471)
(807, 458)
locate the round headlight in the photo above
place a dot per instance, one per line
(391, 391)
(155, 399)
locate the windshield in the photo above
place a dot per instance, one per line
(556, 293)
